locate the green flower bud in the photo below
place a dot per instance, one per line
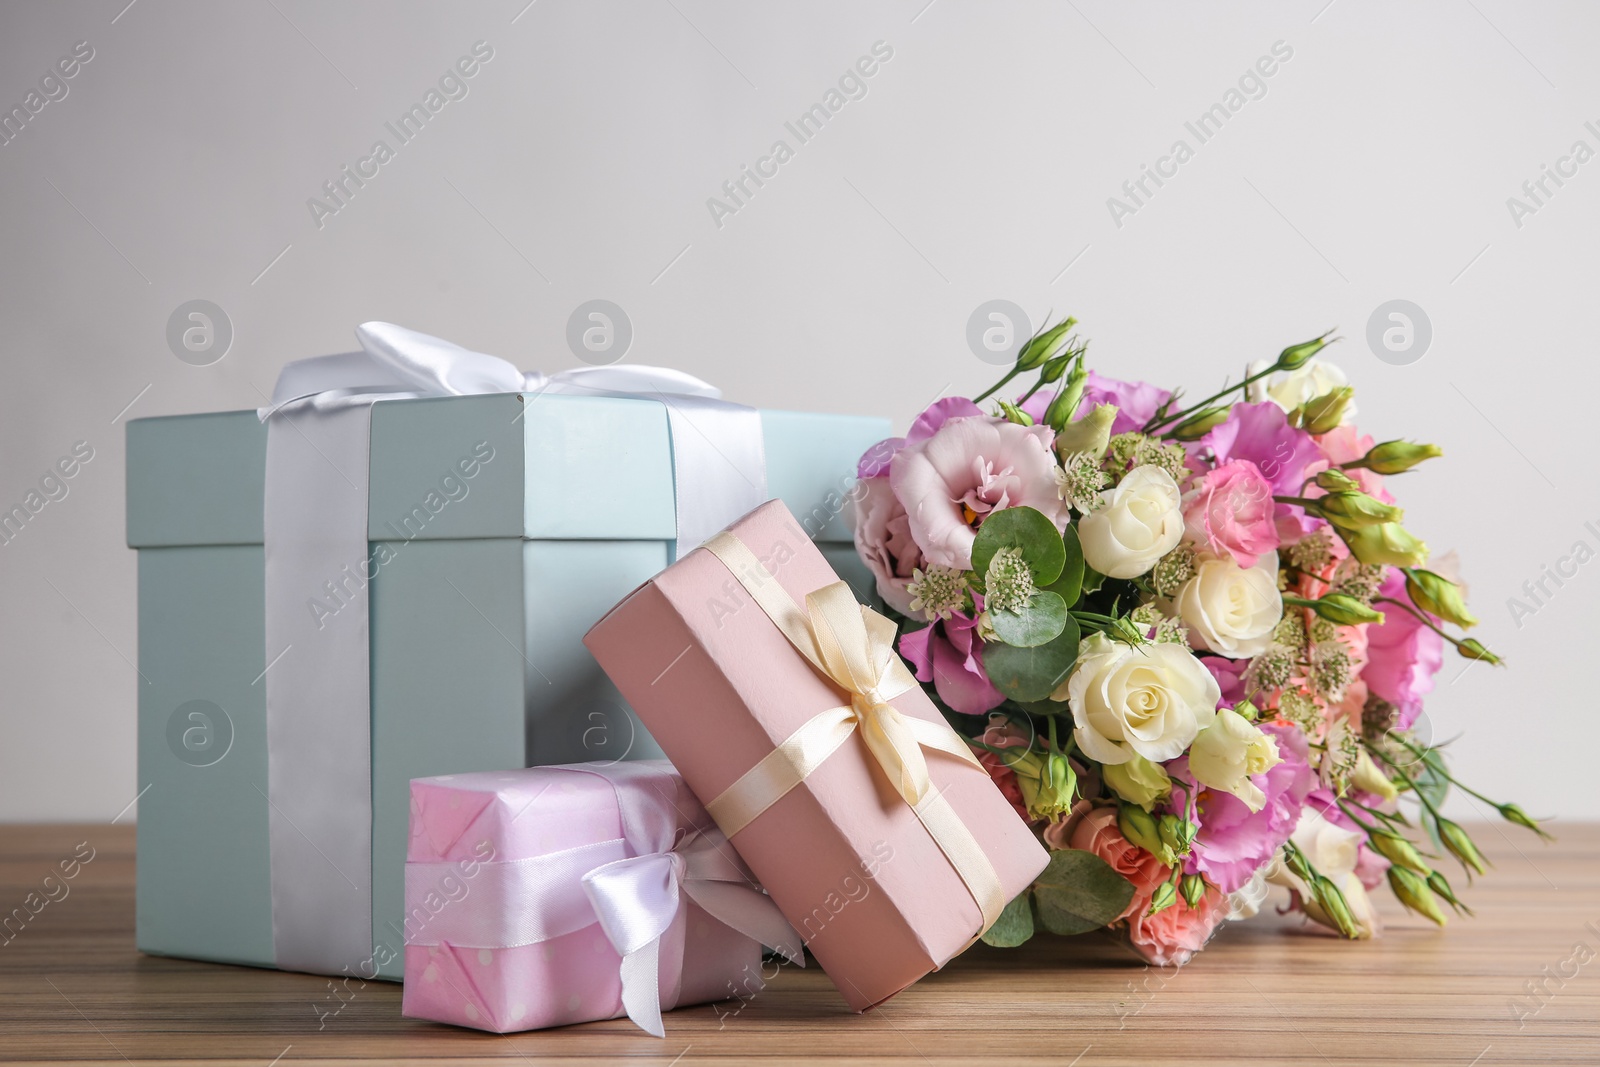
(1296, 356)
(1395, 457)
(1324, 413)
(1438, 596)
(1397, 850)
(1247, 711)
(1341, 609)
(1163, 898)
(1472, 648)
(1055, 368)
(1353, 510)
(1200, 423)
(1327, 897)
(1090, 434)
(1461, 845)
(1138, 781)
(1193, 888)
(1412, 891)
(1065, 404)
(1140, 828)
(1388, 543)
(1337, 481)
(1177, 833)
(1441, 886)
(1041, 347)
(1014, 413)
(1512, 813)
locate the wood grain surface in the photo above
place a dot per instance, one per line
(73, 989)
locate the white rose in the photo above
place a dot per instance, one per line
(1151, 701)
(1332, 851)
(1293, 388)
(1140, 521)
(1229, 609)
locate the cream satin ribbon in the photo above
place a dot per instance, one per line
(853, 647)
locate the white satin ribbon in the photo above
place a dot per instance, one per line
(318, 686)
(634, 887)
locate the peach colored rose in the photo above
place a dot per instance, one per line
(1171, 936)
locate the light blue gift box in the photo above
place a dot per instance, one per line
(478, 609)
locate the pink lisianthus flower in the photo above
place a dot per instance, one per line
(1402, 654)
(1261, 434)
(883, 541)
(1170, 937)
(968, 468)
(1230, 512)
(874, 461)
(1234, 842)
(948, 654)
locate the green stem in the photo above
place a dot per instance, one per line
(1442, 771)
(995, 388)
(1155, 424)
(1420, 617)
(1023, 399)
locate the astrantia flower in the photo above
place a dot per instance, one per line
(937, 592)
(1008, 583)
(1080, 480)
(968, 468)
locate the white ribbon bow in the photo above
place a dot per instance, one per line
(640, 899)
(395, 362)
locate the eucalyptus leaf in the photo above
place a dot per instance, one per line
(1079, 892)
(1029, 674)
(1041, 620)
(1014, 926)
(1069, 586)
(1027, 530)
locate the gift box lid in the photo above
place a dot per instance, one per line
(533, 466)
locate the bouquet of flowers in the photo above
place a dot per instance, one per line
(1190, 641)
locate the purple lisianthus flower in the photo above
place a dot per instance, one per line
(1402, 655)
(1261, 434)
(947, 654)
(1136, 402)
(1233, 841)
(875, 460)
(937, 414)
(1229, 674)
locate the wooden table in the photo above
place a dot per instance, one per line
(73, 989)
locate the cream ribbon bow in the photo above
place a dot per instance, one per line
(853, 646)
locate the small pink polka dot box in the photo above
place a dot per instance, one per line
(556, 895)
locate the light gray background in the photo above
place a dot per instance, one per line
(978, 166)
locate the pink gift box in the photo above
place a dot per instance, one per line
(502, 933)
(845, 857)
